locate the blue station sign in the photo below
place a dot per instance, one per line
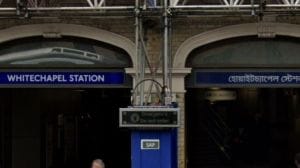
(228, 78)
(37, 77)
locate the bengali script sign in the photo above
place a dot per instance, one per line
(247, 78)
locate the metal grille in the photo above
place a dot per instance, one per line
(130, 3)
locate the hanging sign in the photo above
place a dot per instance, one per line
(149, 117)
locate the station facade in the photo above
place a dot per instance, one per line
(212, 42)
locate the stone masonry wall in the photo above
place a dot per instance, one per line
(182, 29)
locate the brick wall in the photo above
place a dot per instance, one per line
(182, 29)
(121, 26)
(181, 132)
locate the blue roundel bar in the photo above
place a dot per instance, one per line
(57, 77)
(246, 78)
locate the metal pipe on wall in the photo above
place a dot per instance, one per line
(165, 45)
(170, 55)
(142, 64)
(232, 6)
(137, 51)
(166, 55)
(18, 12)
(177, 9)
(140, 56)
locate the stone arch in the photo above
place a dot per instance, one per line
(60, 29)
(249, 29)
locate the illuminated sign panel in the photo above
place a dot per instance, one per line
(240, 78)
(61, 78)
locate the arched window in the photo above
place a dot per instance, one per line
(247, 52)
(67, 52)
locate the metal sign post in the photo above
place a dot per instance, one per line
(154, 138)
(155, 146)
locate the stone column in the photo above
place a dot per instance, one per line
(178, 88)
(181, 131)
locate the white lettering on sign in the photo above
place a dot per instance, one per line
(36, 78)
(84, 78)
(150, 144)
(250, 78)
(55, 78)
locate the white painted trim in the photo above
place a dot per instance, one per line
(249, 29)
(60, 29)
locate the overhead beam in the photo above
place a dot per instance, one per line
(184, 2)
(101, 3)
(90, 3)
(96, 3)
(174, 2)
(291, 2)
(232, 2)
(236, 2)
(237, 5)
(226, 2)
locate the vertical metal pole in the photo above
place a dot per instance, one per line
(137, 70)
(170, 56)
(18, 12)
(140, 67)
(165, 47)
(166, 56)
(142, 63)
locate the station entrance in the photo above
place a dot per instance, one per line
(255, 128)
(242, 104)
(63, 127)
(59, 103)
